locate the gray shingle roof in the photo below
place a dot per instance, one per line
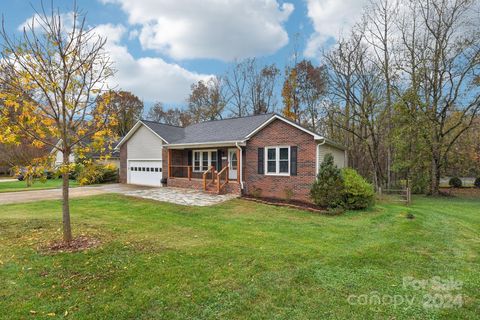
(167, 132)
(233, 129)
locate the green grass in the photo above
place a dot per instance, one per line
(238, 260)
(12, 186)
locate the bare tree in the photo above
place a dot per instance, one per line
(261, 83)
(358, 83)
(206, 100)
(171, 116)
(236, 89)
(250, 88)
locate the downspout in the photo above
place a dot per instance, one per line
(318, 151)
(240, 161)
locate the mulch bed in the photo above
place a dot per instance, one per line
(295, 204)
(80, 243)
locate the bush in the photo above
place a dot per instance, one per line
(455, 182)
(327, 190)
(97, 173)
(357, 193)
(477, 183)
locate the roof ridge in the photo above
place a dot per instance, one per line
(165, 124)
(238, 117)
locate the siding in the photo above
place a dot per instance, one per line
(59, 158)
(144, 144)
(338, 155)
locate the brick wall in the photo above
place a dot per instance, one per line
(123, 163)
(274, 134)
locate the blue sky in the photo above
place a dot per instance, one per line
(160, 47)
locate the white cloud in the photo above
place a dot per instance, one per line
(36, 22)
(150, 78)
(330, 18)
(218, 29)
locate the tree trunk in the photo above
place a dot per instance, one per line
(67, 229)
(435, 177)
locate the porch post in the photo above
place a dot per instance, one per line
(169, 159)
(239, 164)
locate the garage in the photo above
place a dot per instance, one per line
(145, 172)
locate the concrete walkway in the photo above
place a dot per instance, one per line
(181, 196)
(173, 195)
(52, 194)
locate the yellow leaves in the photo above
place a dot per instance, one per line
(11, 103)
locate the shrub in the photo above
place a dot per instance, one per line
(455, 182)
(327, 190)
(357, 192)
(97, 173)
(477, 183)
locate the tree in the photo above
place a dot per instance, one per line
(358, 83)
(304, 87)
(327, 190)
(250, 88)
(172, 116)
(206, 101)
(441, 60)
(50, 78)
(261, 83)
(127, 107)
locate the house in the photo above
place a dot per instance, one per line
(113, 156)
(265, 155)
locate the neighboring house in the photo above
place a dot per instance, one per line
(114, 156)
(266, 155)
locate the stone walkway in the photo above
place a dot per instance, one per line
(181, 196)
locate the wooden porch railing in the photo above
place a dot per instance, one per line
(172, 175)
(220, 185)
(212, 170)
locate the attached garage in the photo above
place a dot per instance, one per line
(145, 172)
(142, 149)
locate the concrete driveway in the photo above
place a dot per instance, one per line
(52, 194)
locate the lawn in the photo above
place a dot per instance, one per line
(11, 186)
(238, 260)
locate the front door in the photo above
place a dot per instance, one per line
(233, 164)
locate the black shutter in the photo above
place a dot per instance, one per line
(293, 161)
(189, 157)
(219, 159)
(261, 157)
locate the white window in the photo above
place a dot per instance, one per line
(204, 159)
(277, 161)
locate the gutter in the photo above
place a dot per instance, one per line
(240, 161)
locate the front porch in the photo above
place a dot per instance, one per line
(213, 170)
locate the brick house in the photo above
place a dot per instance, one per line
(265, 155)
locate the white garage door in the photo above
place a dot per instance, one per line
(145, 172)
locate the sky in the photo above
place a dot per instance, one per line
(161, 47)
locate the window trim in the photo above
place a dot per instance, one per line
(200, 151)
(277, 161)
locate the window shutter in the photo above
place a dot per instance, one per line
(261, 157)
(293, 161)
(189, 157)
(219, 159)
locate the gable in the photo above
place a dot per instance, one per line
(144, 144)
(286, 121)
